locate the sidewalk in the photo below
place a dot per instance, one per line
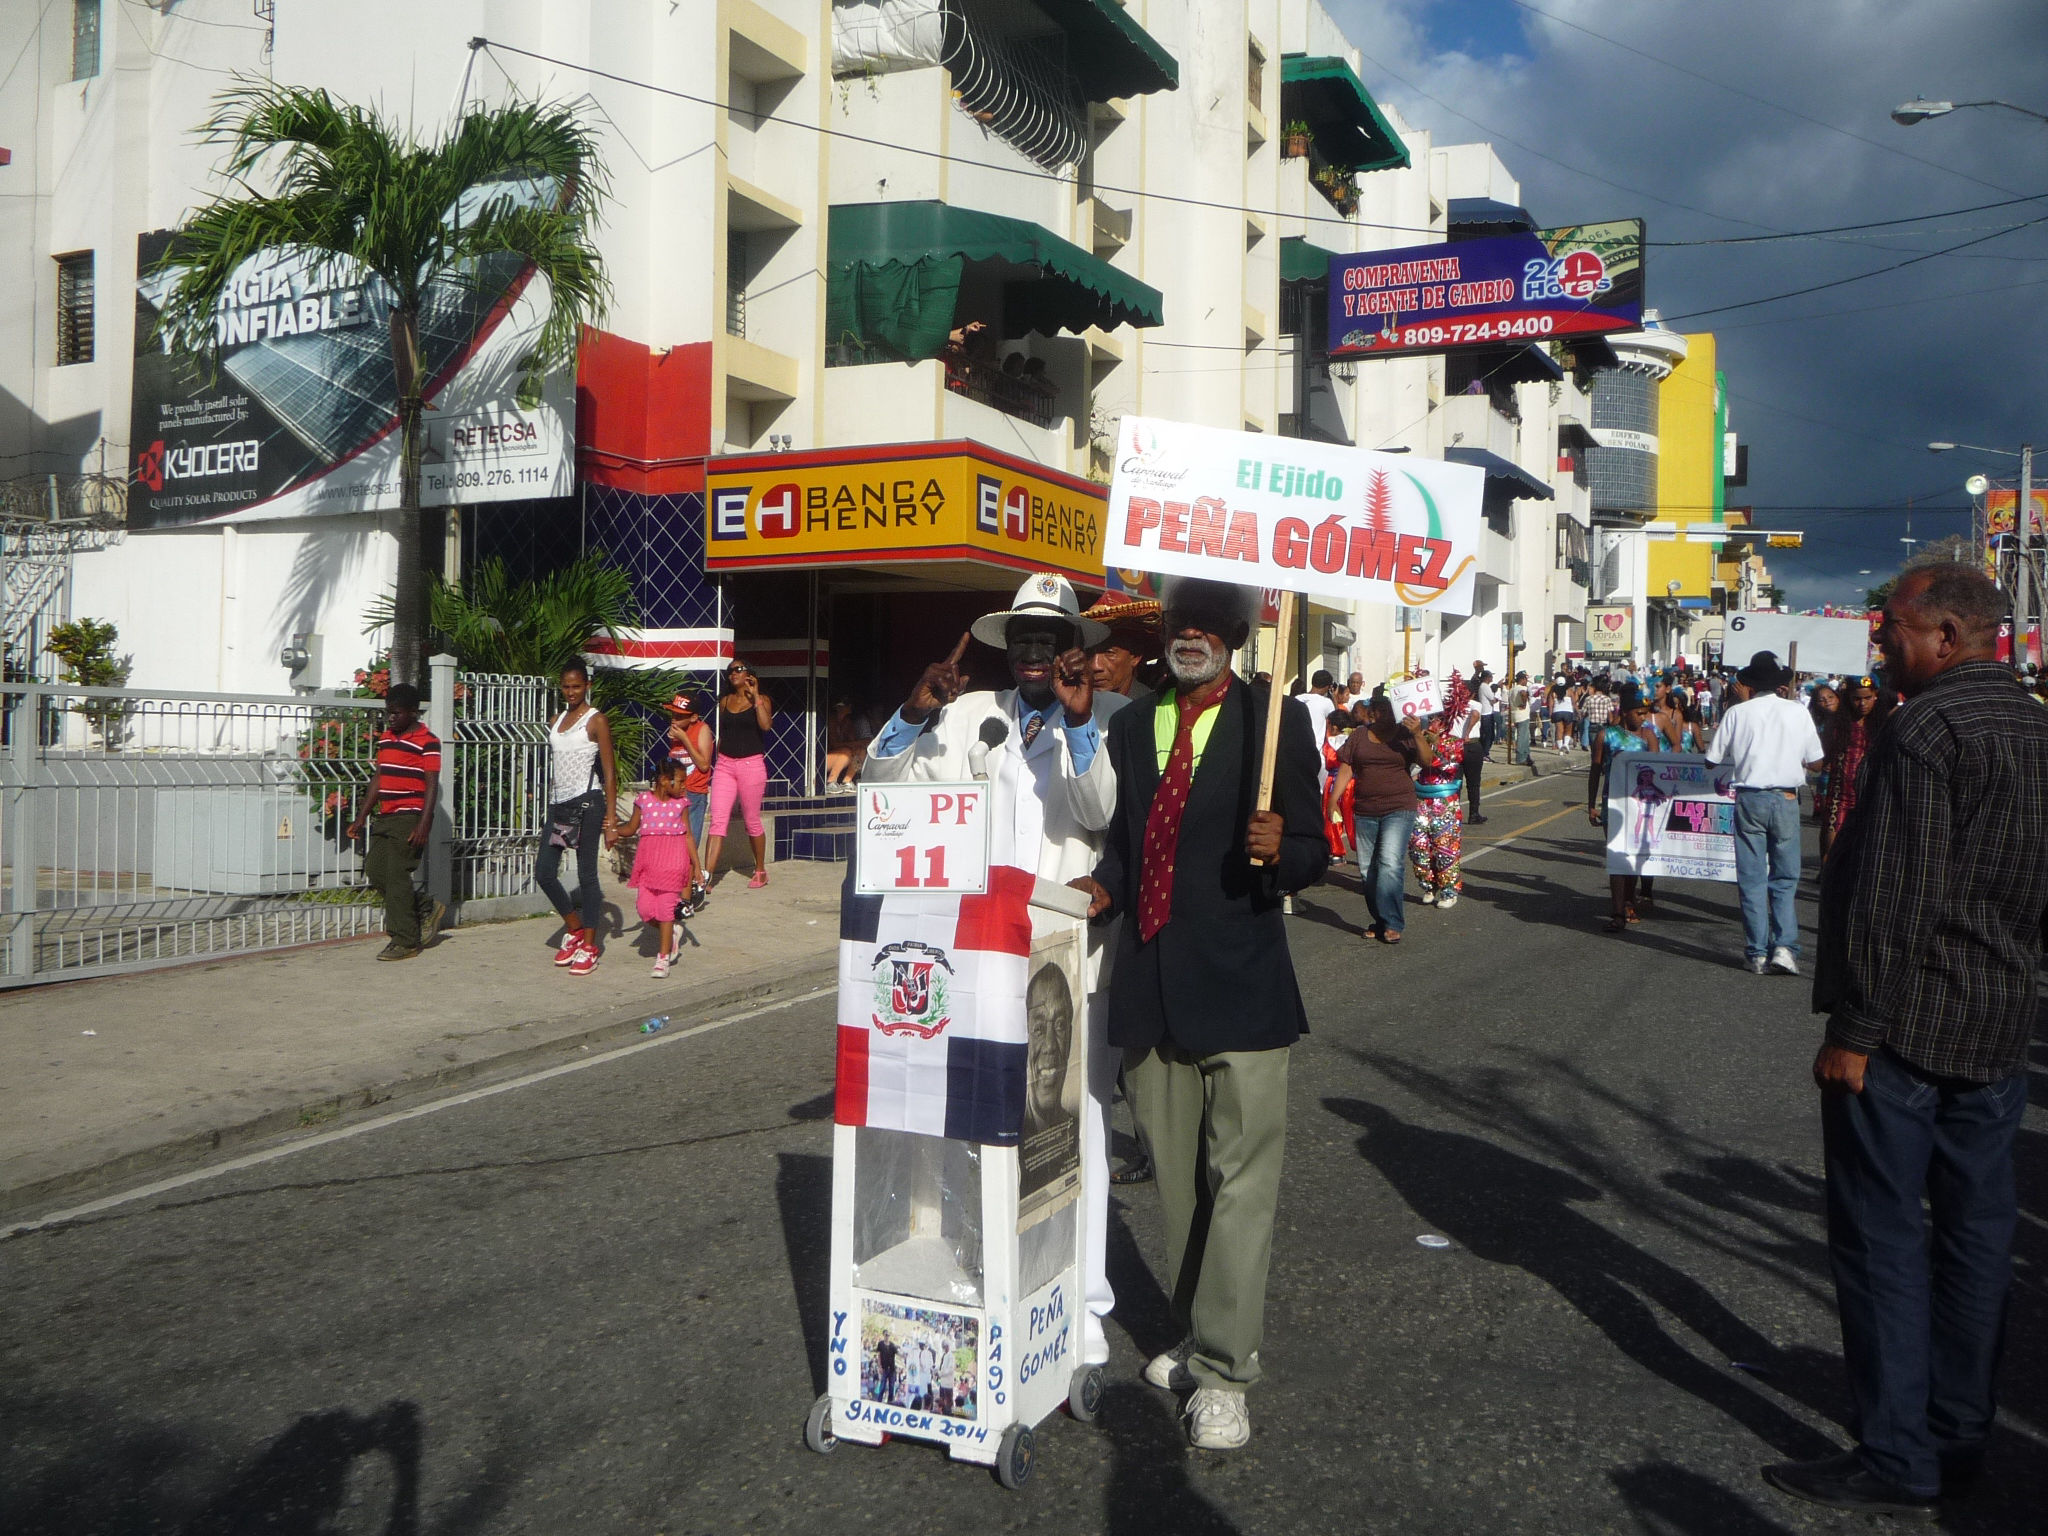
(126, 1076)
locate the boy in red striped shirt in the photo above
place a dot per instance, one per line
(402, 800)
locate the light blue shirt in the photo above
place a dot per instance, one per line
(1083, 740)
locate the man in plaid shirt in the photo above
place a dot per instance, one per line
(1932, 910)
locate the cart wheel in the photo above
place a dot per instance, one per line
(1084, 1393)
(818, 1427)
(1013, 1456)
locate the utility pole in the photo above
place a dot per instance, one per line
(2023, 605)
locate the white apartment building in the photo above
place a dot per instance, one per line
(887, 273)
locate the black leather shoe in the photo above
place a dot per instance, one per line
(1475, 820)
(1844, 1482)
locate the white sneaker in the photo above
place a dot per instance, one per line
(1218, 1419)
(1169, 1372)
(1427, 898)
(1446, 900)
(1784, 961)
(1756, 965)
(1287, 906)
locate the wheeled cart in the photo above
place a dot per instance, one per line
(958, 1289)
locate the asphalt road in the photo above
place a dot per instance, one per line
(596, 1303)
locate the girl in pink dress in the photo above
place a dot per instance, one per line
(666, 856)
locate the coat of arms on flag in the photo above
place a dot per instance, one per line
(910, 989)
(932, 1029)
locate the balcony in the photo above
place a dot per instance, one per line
(1333, 122)
(924, 280)
(1025, 70)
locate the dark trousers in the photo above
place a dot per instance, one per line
(1474, 760)
(1922, 1324)
(587, 814)
(388, 866)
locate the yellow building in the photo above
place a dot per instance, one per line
(1686, 534)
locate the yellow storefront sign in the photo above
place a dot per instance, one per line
(900, 505)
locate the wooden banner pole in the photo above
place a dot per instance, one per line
(1274, 695)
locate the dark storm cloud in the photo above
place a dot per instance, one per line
(1836, 392)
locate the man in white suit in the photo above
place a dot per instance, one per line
(1051, 796)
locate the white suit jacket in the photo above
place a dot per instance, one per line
(1076, 807)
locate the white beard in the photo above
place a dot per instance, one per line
(1194, 670)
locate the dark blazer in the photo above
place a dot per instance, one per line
(1218, 976)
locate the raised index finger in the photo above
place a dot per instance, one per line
(960, 650)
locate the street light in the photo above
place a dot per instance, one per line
(1918, 110)
(2026, 592)
(1974, 448)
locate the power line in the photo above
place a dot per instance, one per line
(1844, 229)
(1239, 208)
(1935, 298)
(1722, 309)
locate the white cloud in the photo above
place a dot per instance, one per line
(1790, 130)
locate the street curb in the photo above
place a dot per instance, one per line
(616, 1029)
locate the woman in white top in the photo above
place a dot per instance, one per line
(1564, 714)
(583, 786)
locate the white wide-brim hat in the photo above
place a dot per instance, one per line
(1047, 595)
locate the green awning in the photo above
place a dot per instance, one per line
(1302, 261)
(893, 273)
(1325, 93)
(1109, 53)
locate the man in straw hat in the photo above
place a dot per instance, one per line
(1122, 661)
(1039, 743)
(1770, 743)
(1203, 998)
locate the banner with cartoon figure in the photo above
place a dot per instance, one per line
(1670, 815)
(1345, 524)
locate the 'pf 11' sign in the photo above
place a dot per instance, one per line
(922, 838)
(1298, 516)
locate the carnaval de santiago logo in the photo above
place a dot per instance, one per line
(910, 989)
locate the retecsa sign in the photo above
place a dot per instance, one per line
(1549, 283)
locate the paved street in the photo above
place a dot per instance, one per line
(596, 1303)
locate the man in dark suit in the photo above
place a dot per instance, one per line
(1203, 1000)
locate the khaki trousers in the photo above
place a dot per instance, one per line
(1216, 1127)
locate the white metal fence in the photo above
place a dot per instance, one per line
(141, 828)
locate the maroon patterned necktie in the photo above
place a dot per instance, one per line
(1162, 822)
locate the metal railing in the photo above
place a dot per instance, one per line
(142, 828)
(495, 775)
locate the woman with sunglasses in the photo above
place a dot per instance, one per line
(1846, 739)
(741, 771)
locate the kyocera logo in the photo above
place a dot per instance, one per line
(196, 461)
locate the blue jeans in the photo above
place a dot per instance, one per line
(1921, 1329)
(1382, 865)
(1767, 869)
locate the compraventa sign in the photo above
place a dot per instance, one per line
(1548, 283)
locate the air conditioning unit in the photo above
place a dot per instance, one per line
(1337, 635)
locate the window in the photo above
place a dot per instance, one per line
(736, 275)
(85, 39)
(74, 308)
(1255, 74)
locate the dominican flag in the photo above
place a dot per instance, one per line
(932, 1034)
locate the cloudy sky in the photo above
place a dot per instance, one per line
(1722, 119)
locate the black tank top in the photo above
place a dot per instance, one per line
(739, 735)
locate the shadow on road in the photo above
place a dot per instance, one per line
(1671, 1501)
(1150, 1492)
(803, 1194)
(329, 1471)
(1509, 1209)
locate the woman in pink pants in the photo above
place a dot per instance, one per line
(741, 770)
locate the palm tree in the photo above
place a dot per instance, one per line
(493, 623)
(372, 202)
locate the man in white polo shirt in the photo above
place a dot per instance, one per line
(1770, 743)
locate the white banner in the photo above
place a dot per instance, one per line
(1825, 645)
(923, 838)
(1345, 524)
(1670, 814)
